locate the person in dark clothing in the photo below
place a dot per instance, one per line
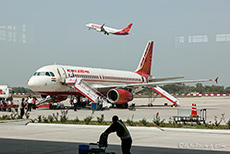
(119, 127)
(22, 106)
(4, 102)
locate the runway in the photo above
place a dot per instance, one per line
(51, 138)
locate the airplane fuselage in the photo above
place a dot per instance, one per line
(48, 79)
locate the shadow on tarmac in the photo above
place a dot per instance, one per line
(16, 146)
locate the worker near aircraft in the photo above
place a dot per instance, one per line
(22, 107)
(29, 101)
(71, 74)
(75, 103)
(119, 127)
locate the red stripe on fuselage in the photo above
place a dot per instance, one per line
(122, 32)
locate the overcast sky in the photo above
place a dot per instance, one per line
(191, 38)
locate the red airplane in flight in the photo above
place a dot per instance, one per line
(108, 30)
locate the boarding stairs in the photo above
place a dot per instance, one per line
(165, 94)
(85, 89)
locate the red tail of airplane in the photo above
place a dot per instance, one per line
(127, 29)
(144, 67)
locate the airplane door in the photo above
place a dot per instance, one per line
(62, 73)
(143, 79)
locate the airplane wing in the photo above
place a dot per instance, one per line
(164, 79)
(136, 85)
(103, 29)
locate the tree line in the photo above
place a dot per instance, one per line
(21, 90)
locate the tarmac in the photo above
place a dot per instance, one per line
(216, 106)
(16, 137)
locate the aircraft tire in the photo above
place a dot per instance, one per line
(118, 106)
(122, 106)
(126, 105)
(83, 104)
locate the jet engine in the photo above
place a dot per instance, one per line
(119, 96)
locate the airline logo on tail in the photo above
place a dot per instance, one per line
(144, 67)
(127, 29)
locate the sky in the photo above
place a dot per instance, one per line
(191, 38)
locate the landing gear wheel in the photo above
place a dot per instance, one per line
(118, 106)
(126, 105)
(122, 106)
(83, 104)
(150, 104)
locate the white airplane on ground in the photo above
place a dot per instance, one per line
(116, 86)
(108, 30)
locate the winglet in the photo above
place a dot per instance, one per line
(217, 80)
(102, 25)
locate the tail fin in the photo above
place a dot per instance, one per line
(144, 66)
(127, 29)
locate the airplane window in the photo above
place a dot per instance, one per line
(41, 73)
(35, 73)
(52, 74)
(47, 74)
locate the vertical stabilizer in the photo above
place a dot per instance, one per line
(144, 66)
(127, 29)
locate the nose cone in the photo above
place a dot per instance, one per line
(33, 84)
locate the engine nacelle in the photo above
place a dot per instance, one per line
(119, 96)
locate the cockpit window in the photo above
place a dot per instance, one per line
(47, 74)
(52, 74)
(35, 73)
(43, 74)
